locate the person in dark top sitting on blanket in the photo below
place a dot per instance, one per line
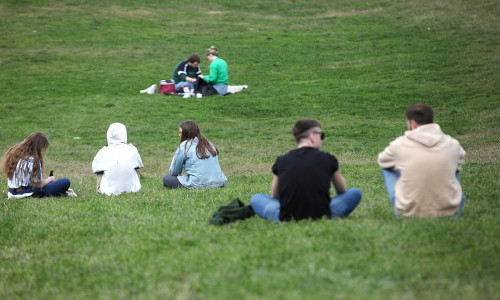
(186, 73)
(300, 188)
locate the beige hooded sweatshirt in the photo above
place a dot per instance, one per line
(428, 160)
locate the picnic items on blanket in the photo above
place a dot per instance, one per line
(150, 90)
(167, 86)
(202, 88)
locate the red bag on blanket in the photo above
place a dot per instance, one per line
(167, 87)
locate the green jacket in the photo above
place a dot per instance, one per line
(218, 72)
(232, 212)
(183, 70)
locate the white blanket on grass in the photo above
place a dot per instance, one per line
(232, 89)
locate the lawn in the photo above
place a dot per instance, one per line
(71, 68)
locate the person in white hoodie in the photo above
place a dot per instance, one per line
(116, 164)
(420, 169)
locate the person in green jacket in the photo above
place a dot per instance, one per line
(218, 71)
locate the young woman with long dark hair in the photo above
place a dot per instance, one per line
(23, 165)
(198, 157)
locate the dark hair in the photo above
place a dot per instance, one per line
(420, 113)
(190, 130)
(302, 127)
(194, 58)
(33, 145)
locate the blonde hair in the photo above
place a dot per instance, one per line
(212, 50)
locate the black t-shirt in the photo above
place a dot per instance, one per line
(305, 175)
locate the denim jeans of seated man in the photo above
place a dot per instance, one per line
(390, 178)
(341, 205)
(53, 189)
(179, 87)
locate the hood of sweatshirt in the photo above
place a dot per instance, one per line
(117, 134)
(429, 135)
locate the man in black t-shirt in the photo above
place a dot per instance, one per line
(301, 182)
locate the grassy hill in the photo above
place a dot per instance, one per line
(71, 68)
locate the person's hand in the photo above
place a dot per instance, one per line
(51, 178)
(201, 76)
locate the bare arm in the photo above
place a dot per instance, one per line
(99, 178)
(274, 187)
(46, 181)
(339, 182)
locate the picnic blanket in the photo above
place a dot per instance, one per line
(231, 89)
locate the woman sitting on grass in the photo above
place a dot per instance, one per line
(199, 159)
(23, 165)
(219, 75)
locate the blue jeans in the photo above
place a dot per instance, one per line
(390, 178)
(221, 88)
(53, 189)
(179, 87)
(340, 206)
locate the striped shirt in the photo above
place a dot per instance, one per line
(22, 174)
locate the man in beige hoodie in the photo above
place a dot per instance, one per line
(420, 169)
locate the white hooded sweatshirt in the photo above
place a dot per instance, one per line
(428, 160)
(119, 162)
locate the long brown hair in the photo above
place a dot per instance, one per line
(190, 130)
(33, 145)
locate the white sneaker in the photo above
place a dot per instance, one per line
(186, 95)
(71, 193)
(18, 196)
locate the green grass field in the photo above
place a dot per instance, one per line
(70, 68)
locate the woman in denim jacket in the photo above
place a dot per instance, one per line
(198, 157)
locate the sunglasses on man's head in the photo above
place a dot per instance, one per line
(321, 133)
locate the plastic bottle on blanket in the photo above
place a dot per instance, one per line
(187, 92)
